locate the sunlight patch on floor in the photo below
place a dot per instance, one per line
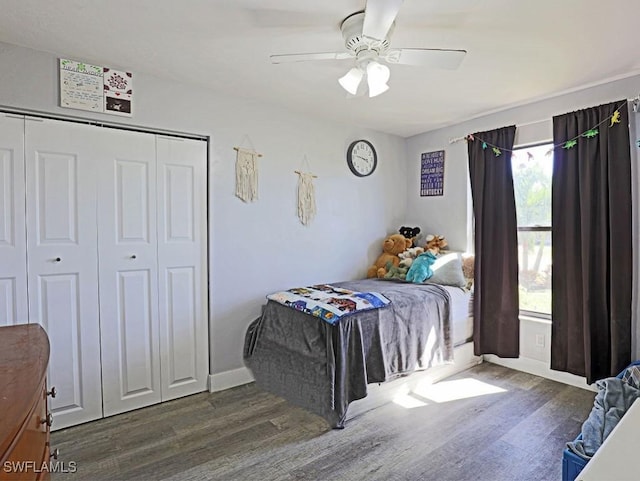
(446, 391)
(408, 401)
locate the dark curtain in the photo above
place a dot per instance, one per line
(591, 232)
(496, 327)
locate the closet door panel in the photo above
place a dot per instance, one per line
(58, 296)
(128, 271)
(57, 194)
(180, 329)
(63, 261)
(132, 197)
(135, 332)
(13, 248)
(182, 263)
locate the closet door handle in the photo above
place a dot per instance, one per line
(57, 259)
(53, 392)
(133, 256)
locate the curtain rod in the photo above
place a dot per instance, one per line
(636, 108)
(459, 139)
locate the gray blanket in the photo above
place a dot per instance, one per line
(323, 368)
(612, 401)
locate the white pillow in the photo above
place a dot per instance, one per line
(447, 270)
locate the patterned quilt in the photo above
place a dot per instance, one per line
(328, 302)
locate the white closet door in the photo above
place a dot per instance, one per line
(63, 261)
(182, 264)
(13, 243)
(127, 235)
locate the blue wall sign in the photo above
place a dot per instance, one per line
(432, 173)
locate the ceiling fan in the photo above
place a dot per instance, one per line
(367, 40)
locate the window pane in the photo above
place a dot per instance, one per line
(534, 256)
(532, 170)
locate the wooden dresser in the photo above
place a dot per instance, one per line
(24, 416)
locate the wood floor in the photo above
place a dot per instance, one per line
(246, 434)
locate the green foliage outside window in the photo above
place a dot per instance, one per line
(532, 170)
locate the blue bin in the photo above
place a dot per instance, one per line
(572, 464)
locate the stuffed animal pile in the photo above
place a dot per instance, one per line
(435, 243)
(396, 272)
(400, 259)
(468, 268)
(421, 270)
(412, 233)
(406, 257)
(391, 247)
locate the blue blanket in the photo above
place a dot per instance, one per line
(613, 400)
(329, 303)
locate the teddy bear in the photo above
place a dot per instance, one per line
(468, 267)
(412, 233)
(396, 272)
(406, 257)
(421, 270)
(391, 247)
(435, 243)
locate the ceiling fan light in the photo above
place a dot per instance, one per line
(377, 88)
(351, 80)
(378, 73)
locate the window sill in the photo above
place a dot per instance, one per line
(529, 318)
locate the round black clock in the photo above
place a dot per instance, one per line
(362, 158)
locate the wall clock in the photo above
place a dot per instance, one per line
(362, 158)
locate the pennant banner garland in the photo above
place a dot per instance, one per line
(568, 144)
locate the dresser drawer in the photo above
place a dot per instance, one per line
(30, 449)
(24, 427)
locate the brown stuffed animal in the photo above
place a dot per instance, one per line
(435, 243)
(391, 247)
(468, 268)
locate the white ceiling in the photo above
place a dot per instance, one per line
(518, 51)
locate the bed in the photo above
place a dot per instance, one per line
(324, 367)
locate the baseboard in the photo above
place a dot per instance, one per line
(539, 368)
(229, 379)
(242, 375)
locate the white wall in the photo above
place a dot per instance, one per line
(260, 247)
(451, 214)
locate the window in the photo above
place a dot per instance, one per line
(532, 170)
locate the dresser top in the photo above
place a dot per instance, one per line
(24, 355)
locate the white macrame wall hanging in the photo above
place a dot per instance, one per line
(247, 173)
(306, 196)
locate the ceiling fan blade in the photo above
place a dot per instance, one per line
(305, 57)
(379, 16)
(430, 57)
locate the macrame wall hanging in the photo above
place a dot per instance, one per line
(247, 172)
(306, 195)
